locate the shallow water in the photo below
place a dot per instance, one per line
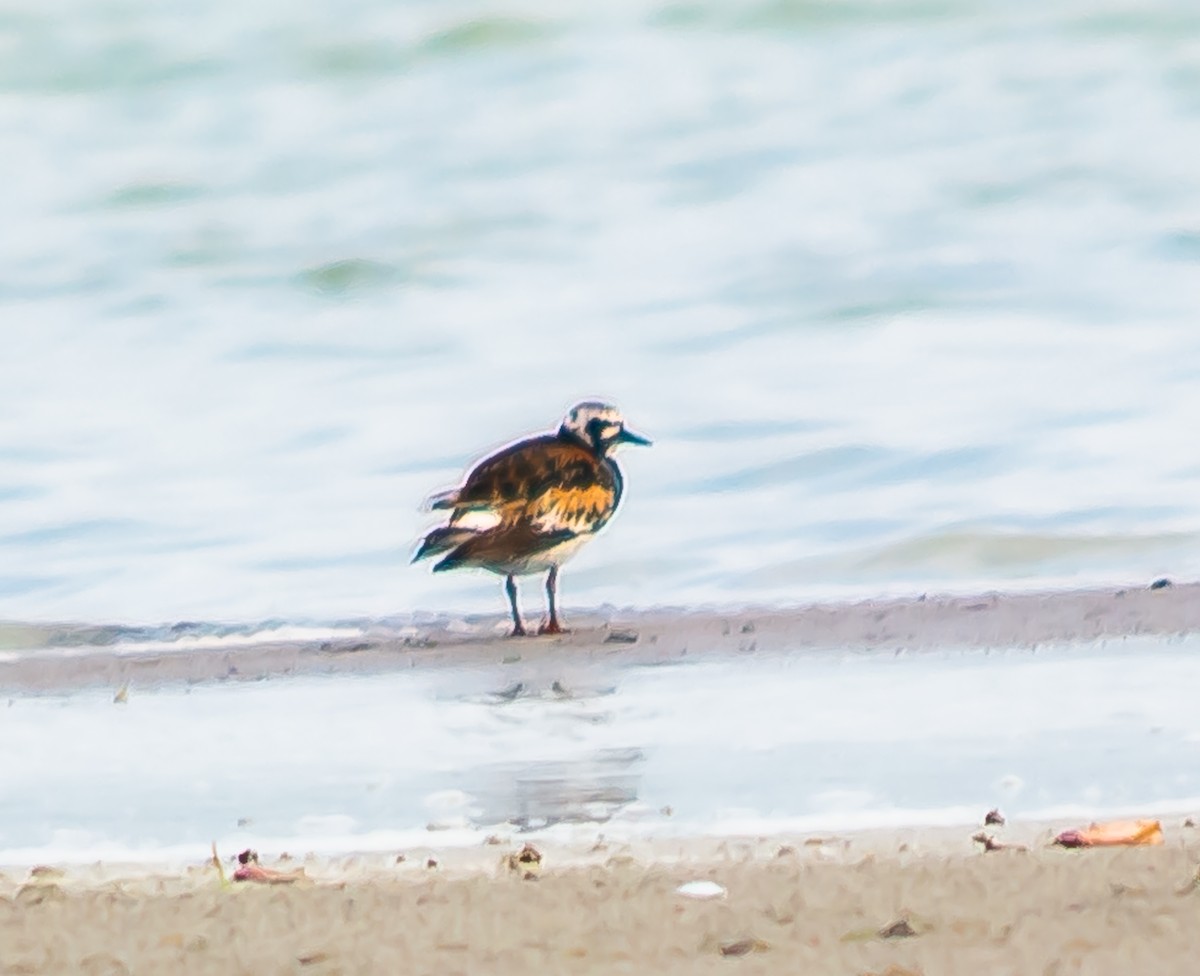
(904, 291)
(753, 745)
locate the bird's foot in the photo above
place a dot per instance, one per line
(552, 627)
(519, 631)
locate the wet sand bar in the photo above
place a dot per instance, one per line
(637, 637)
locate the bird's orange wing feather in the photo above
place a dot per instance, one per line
(552, 485)
(572, 509)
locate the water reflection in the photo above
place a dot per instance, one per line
(532, 795)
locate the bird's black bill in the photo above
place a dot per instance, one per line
(627, 436)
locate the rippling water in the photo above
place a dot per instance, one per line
(905, 291)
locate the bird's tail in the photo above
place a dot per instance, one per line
(443, 539)
(442, 499)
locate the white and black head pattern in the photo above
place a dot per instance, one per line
(598, 426)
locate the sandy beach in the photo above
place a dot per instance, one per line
(897, 902)
(85, 657)
(923, 902)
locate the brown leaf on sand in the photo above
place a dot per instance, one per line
(899, 929)
(743, 947)
(527, 862)
(993, 817)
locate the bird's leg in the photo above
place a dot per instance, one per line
(552, 626)
(510, 586)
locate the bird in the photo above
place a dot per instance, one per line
(532, 505)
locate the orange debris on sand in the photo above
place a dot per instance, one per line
(250, 870)
(1117, 833)
(253, 872)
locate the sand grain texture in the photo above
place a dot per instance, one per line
(1045, 911)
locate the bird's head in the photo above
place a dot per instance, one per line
(598, 426)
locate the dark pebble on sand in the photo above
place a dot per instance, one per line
(1161, 584)
(743, 947)
(898, 930)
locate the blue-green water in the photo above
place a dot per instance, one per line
(906, 293)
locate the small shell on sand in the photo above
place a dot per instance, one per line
(700, 889)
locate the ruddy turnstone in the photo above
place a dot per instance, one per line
(530, 506)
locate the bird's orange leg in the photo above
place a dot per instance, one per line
(552, 626)
(510, 587)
